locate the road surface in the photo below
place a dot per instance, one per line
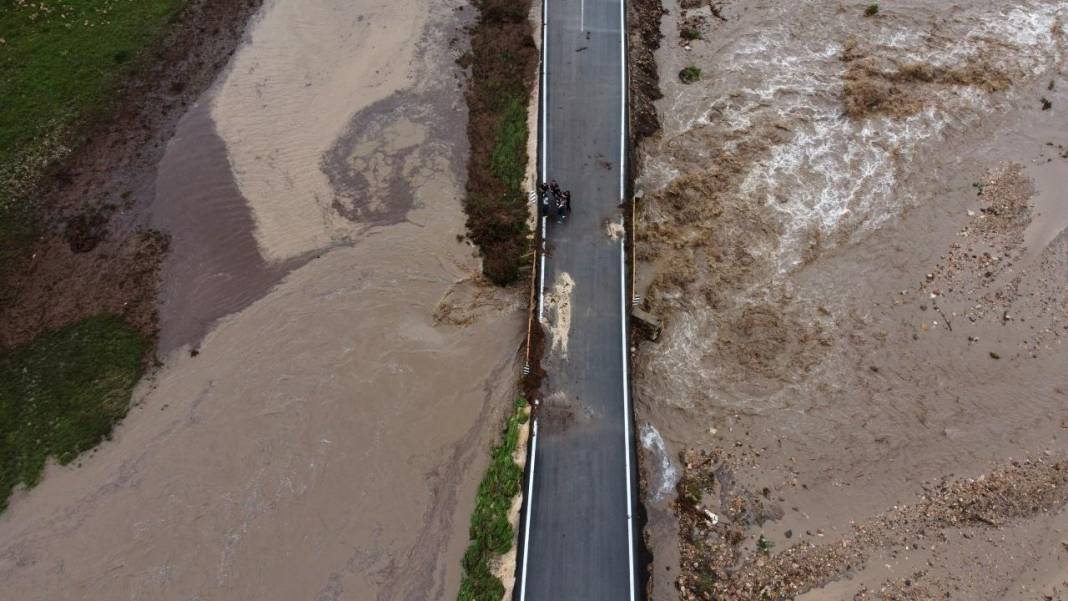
(578, 541)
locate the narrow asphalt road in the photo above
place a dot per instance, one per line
(578, 541)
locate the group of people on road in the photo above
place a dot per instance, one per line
(554, 201)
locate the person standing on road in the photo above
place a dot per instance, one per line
(567, 203)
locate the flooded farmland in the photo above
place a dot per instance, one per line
(853, 228)
(333, 366)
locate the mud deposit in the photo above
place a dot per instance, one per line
(96, 252)
(853, 228)
(337, 369)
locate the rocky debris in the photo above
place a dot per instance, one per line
(1019, 490)
(719, 563)
(985, 274)
(908, 588)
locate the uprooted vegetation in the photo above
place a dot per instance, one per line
(690, 74)
(722, 520)
(643, 24)
(503, 60)
(881, 85)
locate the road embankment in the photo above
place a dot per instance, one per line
(502, 131)
(503, 60)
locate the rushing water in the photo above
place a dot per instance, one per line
(782, 64)
(814, 266)
(665, 474)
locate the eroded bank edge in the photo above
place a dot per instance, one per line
(643, 27)
(67, 188)
(503, 59)
(491, 559)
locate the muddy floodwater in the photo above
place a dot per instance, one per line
(853, 227)
(333, 368)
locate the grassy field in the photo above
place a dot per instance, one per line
(509, 158)
(61, 395)
(491, 534)
(60, 65)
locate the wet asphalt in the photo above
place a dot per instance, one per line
(579, 546)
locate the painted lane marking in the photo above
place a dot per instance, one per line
(622, 99)
(530, 508)
(544, 89)
(626, 407)
(623, 281)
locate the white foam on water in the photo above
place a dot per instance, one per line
(666, 475)
(834, 172)
(828, 174)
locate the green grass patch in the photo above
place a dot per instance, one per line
(691, 33)
(491, 534)
(690, 74)
(764, 545)
(61, 64)
(509, 157)
(61, 394)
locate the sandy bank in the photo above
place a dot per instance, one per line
(291, 91)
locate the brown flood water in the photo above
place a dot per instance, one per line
(213, 267)
(326, 438)
(859, 306)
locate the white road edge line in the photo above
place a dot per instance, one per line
(541, 288)
(544, 89)
(623, 280)
(623, 99)
(542, 103)
(530, 508)
(626, 407)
